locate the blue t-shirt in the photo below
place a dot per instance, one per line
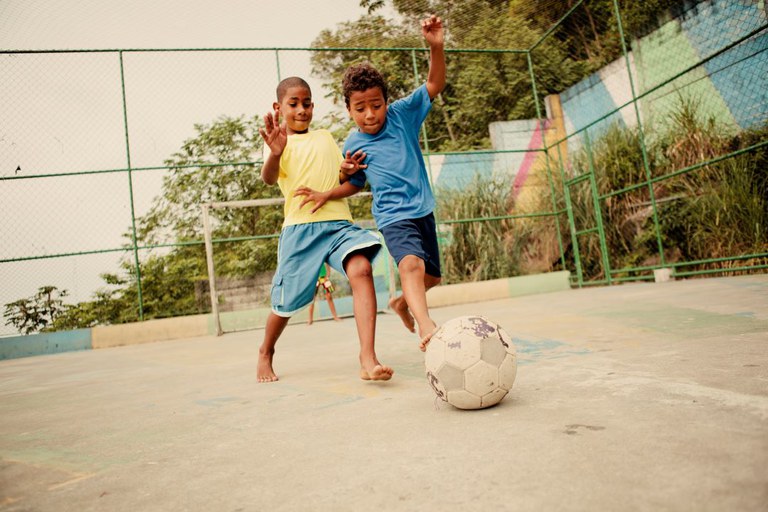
(396, 169)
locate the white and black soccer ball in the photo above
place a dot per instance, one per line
(471, 362)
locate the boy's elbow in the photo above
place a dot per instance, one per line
(434, 88)
(267, 178)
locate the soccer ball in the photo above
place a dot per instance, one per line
(471, 362)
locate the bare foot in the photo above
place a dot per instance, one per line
(399, 306)
(377, 372)
(309, 322)
(337, 319)
(264, 371)
(425, 338)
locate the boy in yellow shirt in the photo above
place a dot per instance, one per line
(296, 158)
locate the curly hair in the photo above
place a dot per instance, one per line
(362, 77)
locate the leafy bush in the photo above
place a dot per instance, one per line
(488, 248)
(711, 211)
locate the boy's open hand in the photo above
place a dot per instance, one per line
(274, 134)
(353, 163)
(432, 30)
(319, 198)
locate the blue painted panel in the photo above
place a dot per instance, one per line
(588, 101)
(740, 74)
(458, 171)
(45, 343)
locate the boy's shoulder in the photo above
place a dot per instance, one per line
(414, 97)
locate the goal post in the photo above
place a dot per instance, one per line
(232, 313)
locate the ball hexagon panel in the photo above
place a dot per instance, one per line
(437, 386)
(493, 397)
(464, 399)
(450, 377)
(492, 351)
(435, 355)
(507, 372)
(506, 340)
(462, 350)
(481, 327)
(481, 378)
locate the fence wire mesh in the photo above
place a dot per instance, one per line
(597, 136)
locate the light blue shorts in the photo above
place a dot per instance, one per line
(302, 250)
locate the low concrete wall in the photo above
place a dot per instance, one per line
(45, 343)
(464, 293)
(202, 325)
(149, 331)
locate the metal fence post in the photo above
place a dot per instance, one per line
(130, 190)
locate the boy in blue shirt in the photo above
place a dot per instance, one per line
(402, 196)
(296, 158)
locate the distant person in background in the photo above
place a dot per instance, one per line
(323, 283)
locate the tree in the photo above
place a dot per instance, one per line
(482, 86)
(38, 312)
(220, 163)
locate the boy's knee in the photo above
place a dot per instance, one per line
(432, 281)
(358, 266)
(410, 264)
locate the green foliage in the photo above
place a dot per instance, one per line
(723, 207)
(726, 214)
(482, 87)
(105, 307)
(38, 312)
(220, 163)
(479, 250)
(714, 211)
(590, 33)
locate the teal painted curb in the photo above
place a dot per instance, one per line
(45, 343)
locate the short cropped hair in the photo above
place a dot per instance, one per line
(362, 77)
(291, 81)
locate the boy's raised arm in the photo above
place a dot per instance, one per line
(432, 30)
(275, 138)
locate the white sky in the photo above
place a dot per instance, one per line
(63, 113)
(89, 24)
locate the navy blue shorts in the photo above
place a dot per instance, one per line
(417, 237)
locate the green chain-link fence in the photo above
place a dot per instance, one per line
(597, 143)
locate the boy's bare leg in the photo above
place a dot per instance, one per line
(332, 306)
(274, 328)
(399, 306)
(360, 275)
(311, 312)
(415, 282)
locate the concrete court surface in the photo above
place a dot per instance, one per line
(633, 397)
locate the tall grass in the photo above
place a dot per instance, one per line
(478, 250)
(718, 210)
(715, 211)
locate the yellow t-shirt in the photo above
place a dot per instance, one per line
(310, 159)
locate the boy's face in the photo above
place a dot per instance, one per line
(368, 109)
(296, 109)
